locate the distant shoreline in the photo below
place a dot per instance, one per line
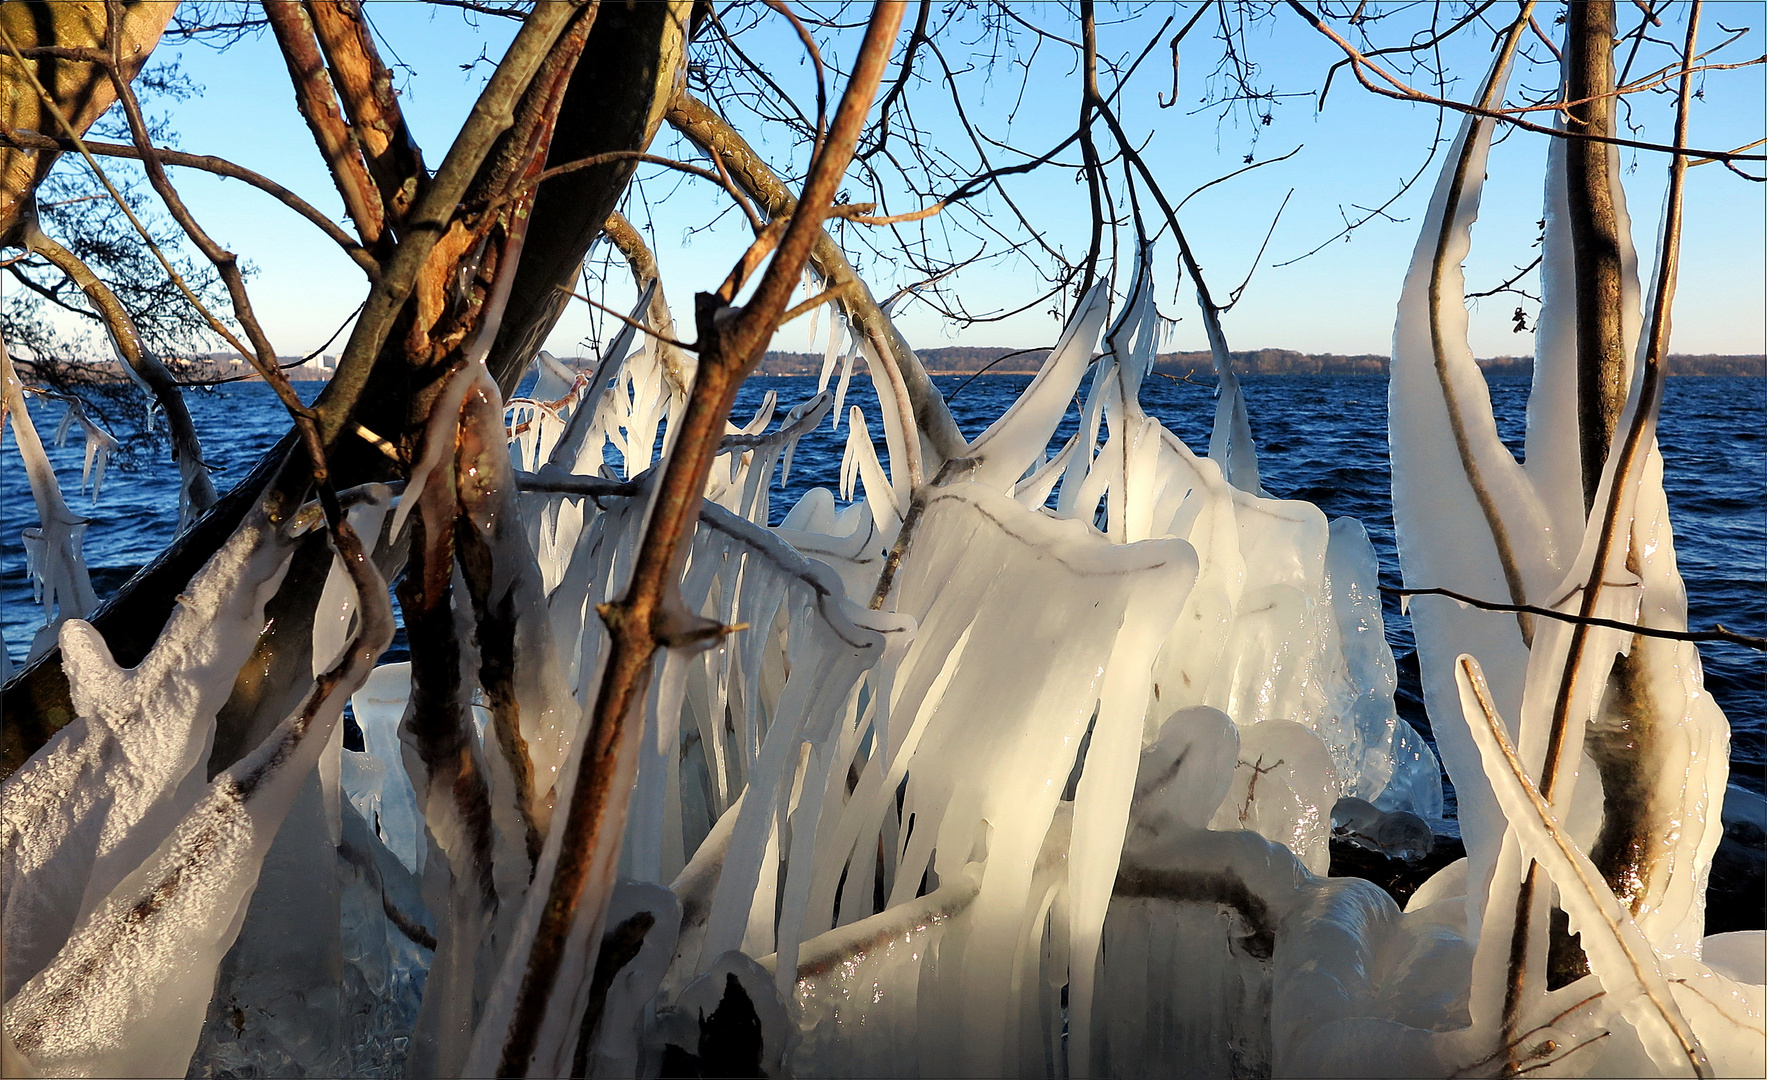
(960, 360)
(965, 361)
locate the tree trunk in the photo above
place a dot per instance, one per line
(1595, 234)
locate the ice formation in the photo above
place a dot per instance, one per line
(1020, 763)
(59, 580)
(100, 445)
(127, 869)
(1638, 722)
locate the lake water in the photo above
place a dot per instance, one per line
(1320, 438)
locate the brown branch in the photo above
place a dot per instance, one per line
(436, 725)
(486, 515)
(1595, 236)
(1234, 295)
(780, 97)
(1615, 525)
(491, 115)
(1090, 100)
(1200, 188)
(1546, 39)
(210, 164)
(318, 104)
(1211, 310)
(365, 87)
(650, 613)
(972, 186)
(1176, 40)
(79, 54)
(1614, 531)
(752, 258)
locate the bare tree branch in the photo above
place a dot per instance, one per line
(319, 105)
(220, 167)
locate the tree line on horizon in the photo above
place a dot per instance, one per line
(998, 360)
(214, 368)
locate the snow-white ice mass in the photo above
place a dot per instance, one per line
(1023, 766)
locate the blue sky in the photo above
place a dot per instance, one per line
(1354, 152)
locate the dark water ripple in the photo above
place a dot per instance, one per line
(1320, 438)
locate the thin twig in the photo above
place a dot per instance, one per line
(1400, 91)
(625, 155)
(262, 353)
(833, 292)
(816, 60)
(952, 396)
(1521, 272)
(1717, 633)
(628, 320)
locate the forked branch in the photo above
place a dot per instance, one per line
(325, 118)
(365, 88)
(651, 614)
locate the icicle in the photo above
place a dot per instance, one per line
(337, 600)
(1230, 442)
(1108, 780)
(619, 1038)
(810, 281)
(860, 461)
(1014, 440)
(575, 444)
(100, 445)
(378, 707)
(837, 327)
(52, 549)
(840, 390)
(1466, 516)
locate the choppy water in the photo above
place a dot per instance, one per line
(1320, 438)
